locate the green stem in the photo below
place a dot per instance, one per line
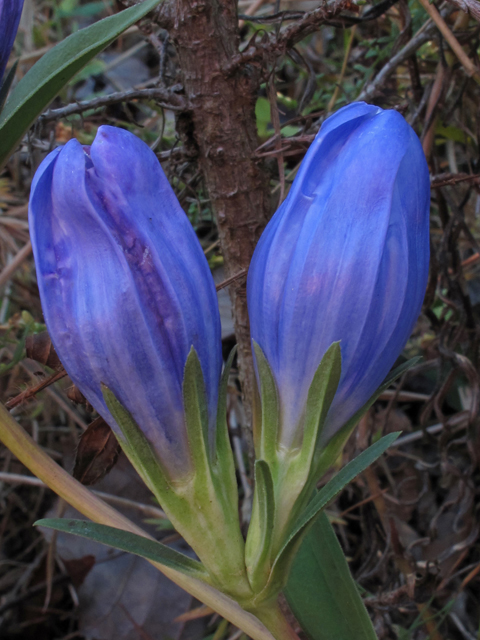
(274, 620)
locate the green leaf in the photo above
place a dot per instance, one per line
(266, 436)
(321, 591)
(332, 488)
(130, 542)
(259, 538)
(46, 78)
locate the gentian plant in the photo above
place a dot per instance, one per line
(335, 286)
(131, 308)
(334, 289)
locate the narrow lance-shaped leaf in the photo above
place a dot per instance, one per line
(46, 78)
(126, 541)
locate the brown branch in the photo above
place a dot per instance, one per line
(221, 130)
(449, 179)
(272, 45)
(164, 97)
(472, 7)
(310, 23)
(422, 36)
(469, 66)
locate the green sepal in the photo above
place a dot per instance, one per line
(130, 542)
(321, 591)
(223, 465)
(290, 469)
(7, 83)
(259, 540)
(136, 446)
(223, 440)
(284, 558)
(326, 456)
(320, 397)
(266, 433)
(196, 412)
(202, 506)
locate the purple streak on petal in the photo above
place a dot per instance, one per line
(116, 292)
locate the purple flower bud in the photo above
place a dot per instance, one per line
(10, 12)
(125, 287)
(344, 258)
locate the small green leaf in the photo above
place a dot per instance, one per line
(321, 591)
(320, 397)
(223, 467)
(222, 427)
(46, 78)
(330, 490)
(327, 455)
(136, 446)
(196, 413)
(266, 435)
(259, 538)
(130, 542)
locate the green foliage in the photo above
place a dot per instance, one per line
(126, 541)
(320, 589)
(46, 78)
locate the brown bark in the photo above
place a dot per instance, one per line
(223, 126)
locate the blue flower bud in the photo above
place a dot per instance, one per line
(10, 12)
(125, 287)
(345, 258)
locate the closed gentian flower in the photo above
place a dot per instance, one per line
(345, 258)
(10, 12)
(125, 287)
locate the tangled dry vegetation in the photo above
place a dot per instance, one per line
(410, 525)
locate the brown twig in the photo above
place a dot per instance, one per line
(423, 35)
(10, 269)
(234, 278)
(472, 7)
(468, 65)
(450, 179)
(28, 394)
(272, 46)
(164, 97)
(146, 510)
